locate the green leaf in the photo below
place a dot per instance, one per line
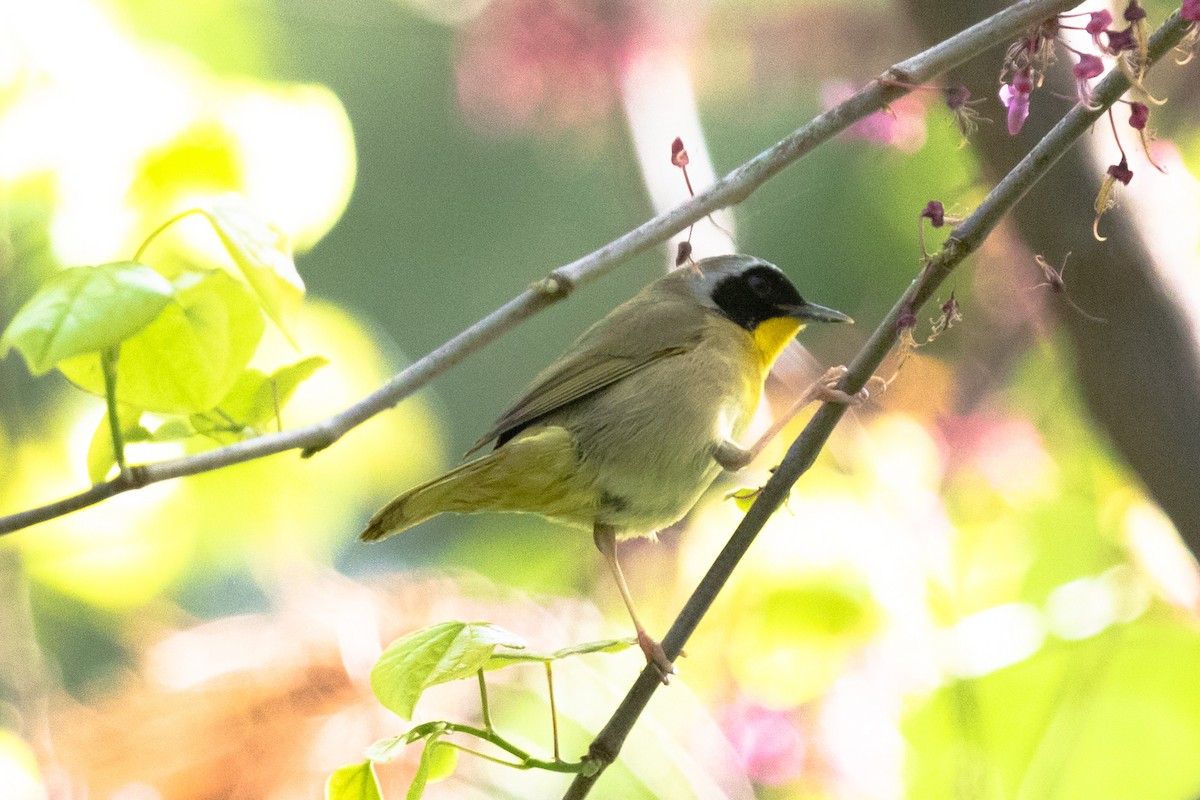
(353, 782)
(188, 358)
(255, 396)
(506, 658)
(438, 654)
(438, 762)
(264, 257)
(442, 758)
(85, 310)
(173, 430)
(100, 456)
(384, 750)
(744, 497)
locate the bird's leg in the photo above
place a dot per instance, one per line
(732, 456)
(605, 537)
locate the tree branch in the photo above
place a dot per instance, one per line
(964, 240)
(729, 190)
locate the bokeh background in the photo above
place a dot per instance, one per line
(979, 591)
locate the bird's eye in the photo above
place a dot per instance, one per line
(759, 285)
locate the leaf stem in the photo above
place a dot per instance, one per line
(553, 708)
(483, 703)
(146, 242)
(526, 761)
(108, 365)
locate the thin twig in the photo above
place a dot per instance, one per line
(964, 240)
(729, 190)
(553, 708)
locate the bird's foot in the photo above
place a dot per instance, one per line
(826, 389)
(656, 657)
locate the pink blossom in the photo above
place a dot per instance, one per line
(1190, 10)
(1139, 115)
(1121, 172)
(1088, 66)
(1098, 23)
(768, 744)
(935, 212)
(1015, 97)
(901, 125)
(547, 65)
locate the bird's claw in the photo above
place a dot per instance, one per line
(827, 391)
(656, 657)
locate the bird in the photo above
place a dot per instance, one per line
(625, 431)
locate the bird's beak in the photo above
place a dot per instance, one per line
(811, 312)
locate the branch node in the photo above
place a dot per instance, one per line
(554, 286)
(897, 78)
(135, 477)
(597, 759)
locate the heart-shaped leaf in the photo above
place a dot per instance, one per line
(256, 397)
(438, 654)
(353, 782)
(188, 358)
(85, 310)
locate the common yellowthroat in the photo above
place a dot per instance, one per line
(624, 432)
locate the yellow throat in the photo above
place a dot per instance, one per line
(772, 335)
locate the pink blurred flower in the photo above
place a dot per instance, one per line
(767, 741)
(901, 125)
(547, 65)
(1015, 97)
(1190, 10)
(1007, 451)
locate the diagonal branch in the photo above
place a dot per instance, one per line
(964, 240)
(729, 190)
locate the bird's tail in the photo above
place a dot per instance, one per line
(524, 475)
(425, 501)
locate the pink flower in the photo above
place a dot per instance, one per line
(546, 65)
(1015, 97)
(1120, 40)
(1139, 115)
(901, 125)
(935, 212)
(1190, 10)
(767, 742)
(1120, 172)
(1098, 23)
(1088, 66)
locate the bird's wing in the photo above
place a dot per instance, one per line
(628, 340)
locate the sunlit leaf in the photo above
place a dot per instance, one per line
(264, 256)
(506, 658)
(191, 355)
(384, 750)
(85, 310)
(353, 782)
(437, 654)
(173, 430)
(100, 456)
(743, 498)
(425, 768)
(256, 397)
(442, 759)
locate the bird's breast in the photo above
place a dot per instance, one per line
(646, 442)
